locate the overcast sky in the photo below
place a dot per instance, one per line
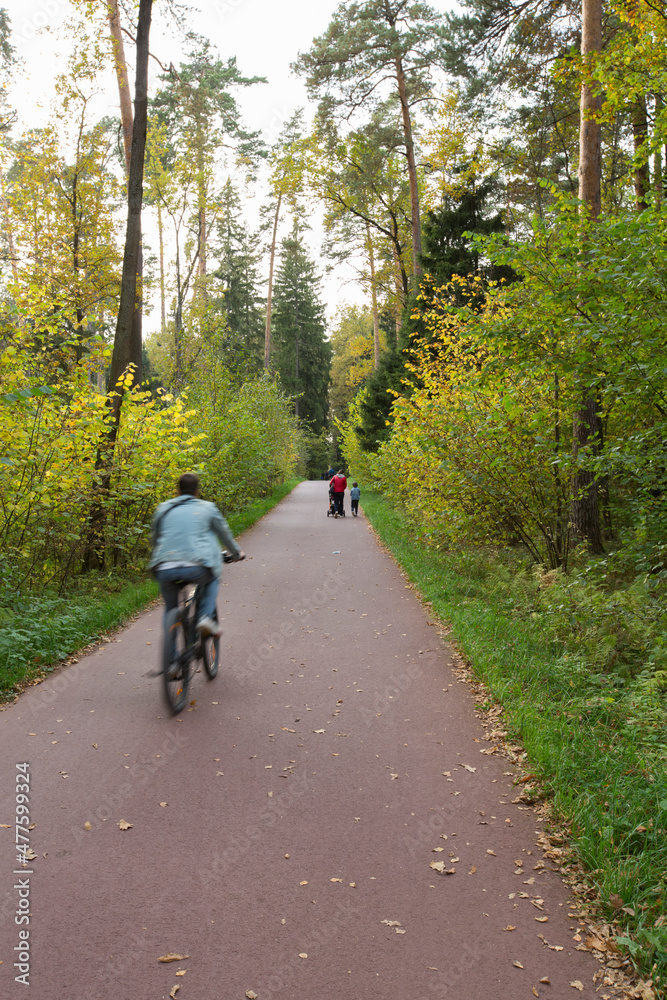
(264, 35)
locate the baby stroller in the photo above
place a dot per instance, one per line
(331, 510)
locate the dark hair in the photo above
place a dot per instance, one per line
(354, 484)
(188, 483)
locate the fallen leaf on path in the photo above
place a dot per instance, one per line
(468, 768)
(181, 972)
(30, 854)
(303, 883)
(578, 985)
(163, 804)
(286, 730)
(472, 870)
(303, 954)
(172, 956)
(492, 852)
(393, 777)
(335, 880)
(87, 825)
(5, 826)
(546, 980)
(318, 730)
(541, 920)
(399, 930)
(510, 927)
(391, 923)
(535, 993)
(616, 901)
(439, 866)
(518, 965)
(447, 774)
(124, 825)
(437, 850)
(176, 988)
(251, 995)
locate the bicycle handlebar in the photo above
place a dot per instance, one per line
(228, 558)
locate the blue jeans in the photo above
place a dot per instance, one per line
(169, 579)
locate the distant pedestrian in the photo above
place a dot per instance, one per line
(355, 493)
(339, 485)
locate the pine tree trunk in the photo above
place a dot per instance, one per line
(590, 163)
(269, 297)
(658, 177)
(127, 122)
(374, 298)
(127, 348)
(126, 116)
(585, 511)
(163, 303)
(9, 233)
(412, 172)
(641, 171)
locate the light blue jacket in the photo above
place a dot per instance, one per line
(190, 534)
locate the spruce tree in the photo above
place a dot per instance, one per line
(301, 355)
(237, 289)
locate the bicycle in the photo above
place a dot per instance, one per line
(183, 646)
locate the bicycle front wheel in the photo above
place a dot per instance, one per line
(175, 661)
(210, 652)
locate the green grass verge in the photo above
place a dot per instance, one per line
(605, 771)
(38, 630)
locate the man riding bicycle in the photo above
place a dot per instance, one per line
(185, 534)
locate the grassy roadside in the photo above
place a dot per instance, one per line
(604, 771)
(38, 631)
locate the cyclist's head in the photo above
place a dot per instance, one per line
(188, 483)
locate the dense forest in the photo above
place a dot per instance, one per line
(496, 181)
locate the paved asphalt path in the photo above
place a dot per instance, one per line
(284, 825)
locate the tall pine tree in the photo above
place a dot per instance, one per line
(302, 355)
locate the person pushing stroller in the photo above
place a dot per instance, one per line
(337, 488)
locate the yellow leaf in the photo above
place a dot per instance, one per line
(578, 985)
(124, 825)
(172, 957)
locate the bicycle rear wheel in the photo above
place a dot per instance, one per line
(210, 652)
(175, 660)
